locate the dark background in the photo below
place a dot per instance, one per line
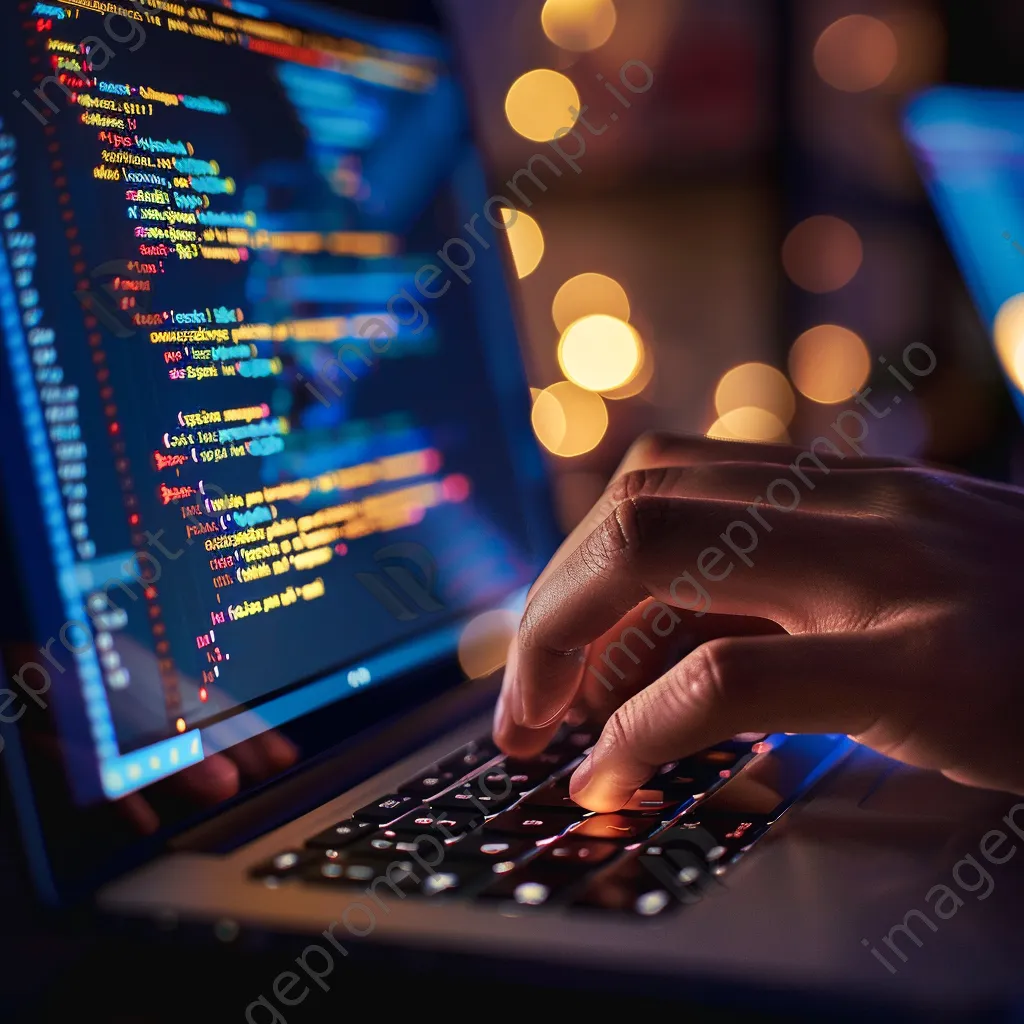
(688, 208)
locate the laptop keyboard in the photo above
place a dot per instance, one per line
(505, 833)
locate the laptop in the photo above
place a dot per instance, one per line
(270, 487)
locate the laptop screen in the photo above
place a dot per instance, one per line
(969, 144)
(269, 441)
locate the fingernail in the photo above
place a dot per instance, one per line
(510, 686)
(581, 777)
(500, 714)
(542, 719)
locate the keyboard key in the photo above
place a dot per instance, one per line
(644, 884)
(431, 780)
(386, 809)
(644, 801)
(450, 878)
(384, 846)
(287, 864)
(682, 870)
(471, 797)
(583, 855)
(446, 824)
(653, 801)
(471, 756)
(704, 770)
(525, 775)
(457, 877)
(499, 779)
(685, 779)
(485, 848)
(554, 795)
(724, 757)
(716, 838)
(616, 828)
(362, 873)
(485, 743)
(531, 821)
(340, 835)
(496, 783)
(534, 884)
(744, 742)
(551, 759)
(574, 744)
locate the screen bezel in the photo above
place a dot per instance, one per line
(72, 849)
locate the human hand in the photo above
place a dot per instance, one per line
(874, 597)
(216, 778)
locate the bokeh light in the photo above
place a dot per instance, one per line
(600, 352)
(759, 386)
(749, 423)
(578, 425)
(548, 418)
(484, 642)
(856, 53)
(822, 254)
(1008, 332)
(828, 363)
(637, 386)
(526, 239)
(578, 25)
(921, 41)
(539, 104)
(586, 294)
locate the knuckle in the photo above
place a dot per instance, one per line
(645, 483)
(710, 670)
(614, 543)
(619, 531)
(622, 728)
(630, 485)
(635, 526)
(529, 626)
(651, 446)
(599, 551)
